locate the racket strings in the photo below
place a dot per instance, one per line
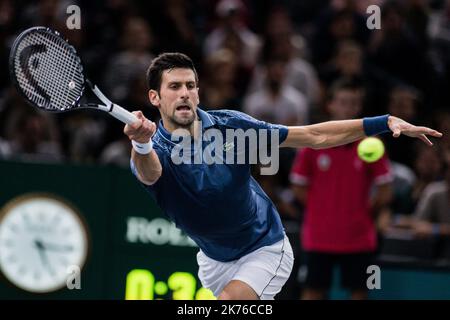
(53, 76)
(62, 71)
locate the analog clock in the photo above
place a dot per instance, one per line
(41, 239)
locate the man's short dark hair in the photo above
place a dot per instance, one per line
(167, 61)
(345, 83)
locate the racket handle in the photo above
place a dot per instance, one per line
(115, 110)
(123, 115)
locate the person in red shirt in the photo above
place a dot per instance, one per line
(335, 187)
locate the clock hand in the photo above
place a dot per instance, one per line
(44, 258)
(55, 247)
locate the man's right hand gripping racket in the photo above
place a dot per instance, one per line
(47, 71)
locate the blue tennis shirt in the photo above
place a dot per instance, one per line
(219, 206)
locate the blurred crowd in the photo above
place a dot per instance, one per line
(275, 60)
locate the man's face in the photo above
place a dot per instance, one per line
(346, 104)
(178, 97)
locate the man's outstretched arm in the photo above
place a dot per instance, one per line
(335, 133)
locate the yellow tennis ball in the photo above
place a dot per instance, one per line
(370, 149)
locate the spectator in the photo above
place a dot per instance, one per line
(417, 18)
(335, 187)
(428, 167)
(136, 41)
(403, 184)
(338, 22)
(233, 33)
(397, 51)
(433, 211)
(281, 41)
(176, 17)
(86, 136)
(117, 153)
(50, 13)
(277, 102)
(34, 138)
(347, 63)
(218, 89)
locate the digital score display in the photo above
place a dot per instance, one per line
(156, 260)
(141, 285)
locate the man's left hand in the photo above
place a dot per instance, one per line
(399, 126)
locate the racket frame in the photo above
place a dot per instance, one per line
(115, 110)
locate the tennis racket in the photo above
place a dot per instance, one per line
(48, 72)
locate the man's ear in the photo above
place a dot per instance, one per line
(198, 95)
(153, 96)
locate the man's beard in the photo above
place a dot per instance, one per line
(183, 122)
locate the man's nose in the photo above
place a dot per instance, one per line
(184, 92)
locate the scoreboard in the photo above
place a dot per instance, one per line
(89, 232)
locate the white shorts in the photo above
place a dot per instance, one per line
(265, 270)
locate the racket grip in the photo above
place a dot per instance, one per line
(123, 115)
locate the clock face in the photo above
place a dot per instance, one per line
(40, 238)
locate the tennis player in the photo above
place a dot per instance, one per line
(244, 252)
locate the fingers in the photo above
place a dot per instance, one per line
(152, 128)
(395, 124)
(397, 132)
(140, 116)
(433, 133)
(429, 131)
(142, 135)
(422, 132)
(424, 138)
(141, 130)
(129, 129)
